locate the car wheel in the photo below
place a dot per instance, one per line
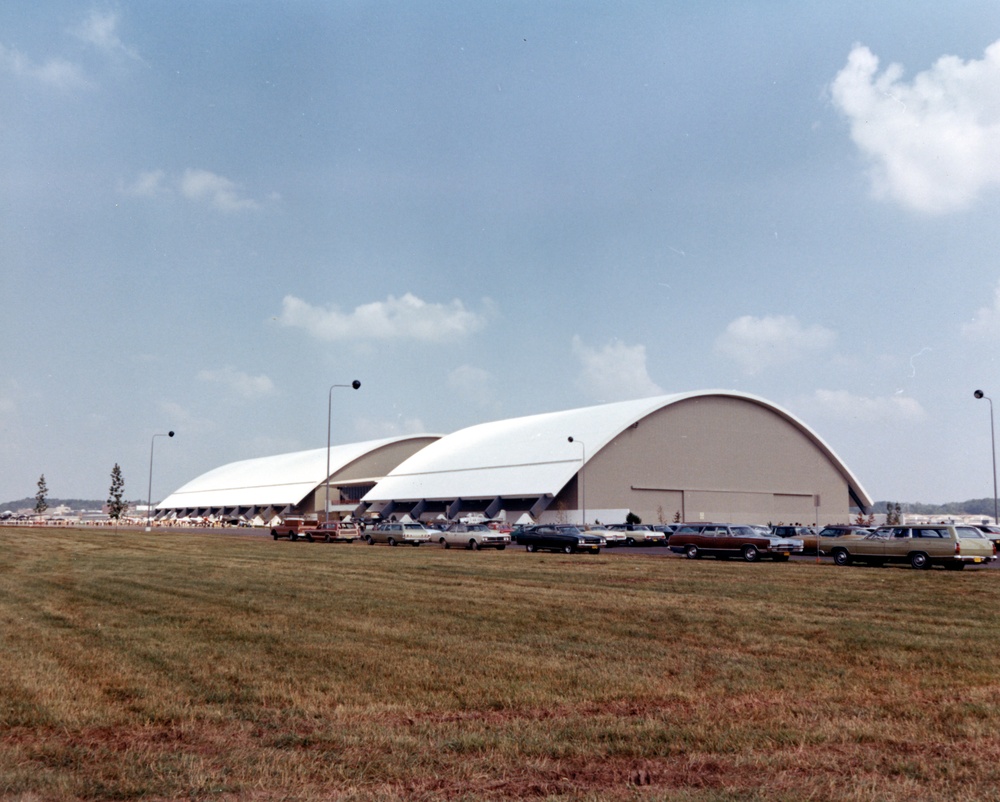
(530, 547)
(293, 536)
(750, 554)
(326, 538)
(841, 557)
(445, 543)
(474, 545)
(501, 548)
(919, 560)
(691, 552)
(630, 541)
(369, 540)
(567, 549)
(274, 533)
(392, 541)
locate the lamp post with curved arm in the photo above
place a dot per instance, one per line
(149, 490)
(583, 483)
(329, 412)
(993, 443)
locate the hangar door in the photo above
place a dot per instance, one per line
(744, 507)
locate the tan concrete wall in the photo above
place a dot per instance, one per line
(715, 458)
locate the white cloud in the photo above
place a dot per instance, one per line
(101, 31)
(149, 184)
(934, 142)
(368, 429)
(845, 406)
(474, 385)
(985, 324)
(239, 382)
(614, 372)
(756, 343)
(216, 190)
(195, 185)
(57, 73)
(405, 318)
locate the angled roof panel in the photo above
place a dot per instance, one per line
(277, 480)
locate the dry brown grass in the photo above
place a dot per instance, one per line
(207, 666)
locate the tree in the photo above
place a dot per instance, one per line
(116, 505)
(632, 518)
(41, 504)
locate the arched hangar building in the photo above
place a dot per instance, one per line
(716, 455)
(711, 455)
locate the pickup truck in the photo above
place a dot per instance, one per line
(294, 528)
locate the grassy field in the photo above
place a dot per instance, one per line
(215, 667)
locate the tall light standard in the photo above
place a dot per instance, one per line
(583, 484)
(329, 411)
(993, 443)
(149, 491)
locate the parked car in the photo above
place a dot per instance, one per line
(640, 535)
(920, 545)
(410, 534)
(991, 531)
(550, 537)
(730, 540)
(471, 536)
(612, 537)
(294, 528)
(808, 536)
(336, 532)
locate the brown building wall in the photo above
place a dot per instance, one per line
(715, 458)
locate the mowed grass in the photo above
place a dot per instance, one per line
(211, 666)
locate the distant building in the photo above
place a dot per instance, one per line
(712, 455)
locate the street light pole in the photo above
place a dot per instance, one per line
(329, 412)
(149, 490)
(993, 443)
(583, 483)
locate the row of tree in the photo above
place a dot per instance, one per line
(117, 506)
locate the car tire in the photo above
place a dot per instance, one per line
(630, 541)
(392, 541)
(274, 533)
(474, 544)
(369, 540)
(841, 557)
(501, 548)
(445, 543)
(920, 561)
(292, 536)
(567, 549)
(691, 552)
(326, 538)
(530, 547)
(750, 554)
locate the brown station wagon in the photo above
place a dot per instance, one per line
(723, 541)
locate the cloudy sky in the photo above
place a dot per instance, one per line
(210, 212)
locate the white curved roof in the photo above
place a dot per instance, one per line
(531, 456)
(276, 481)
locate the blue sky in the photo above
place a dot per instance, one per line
(212, 211)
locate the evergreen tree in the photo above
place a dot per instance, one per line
(41, 504)
(116, 505)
